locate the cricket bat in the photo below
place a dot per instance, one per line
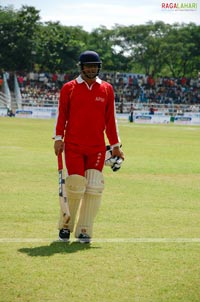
(62, 192)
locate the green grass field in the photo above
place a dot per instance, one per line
(147, 233)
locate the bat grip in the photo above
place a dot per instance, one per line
(60, 161)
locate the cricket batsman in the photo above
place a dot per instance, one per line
(86, 113)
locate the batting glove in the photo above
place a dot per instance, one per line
(113, 162)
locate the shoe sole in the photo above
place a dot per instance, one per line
(63, 240)
(82, 241)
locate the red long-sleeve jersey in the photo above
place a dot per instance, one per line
(86, 113)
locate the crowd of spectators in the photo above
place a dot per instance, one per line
(159, 91)
(42, 89)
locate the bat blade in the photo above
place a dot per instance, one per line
(64, 205)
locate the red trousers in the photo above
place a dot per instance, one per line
(78, 159)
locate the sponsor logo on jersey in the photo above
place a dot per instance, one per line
(100, 99)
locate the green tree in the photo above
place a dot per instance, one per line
(7, 37)
(181, 50)
(101, 40)
(17, 35)
(142, 46)
(153, 48)
(59, 46)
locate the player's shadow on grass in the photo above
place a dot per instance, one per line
(56, 248)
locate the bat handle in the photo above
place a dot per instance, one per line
(60, 161)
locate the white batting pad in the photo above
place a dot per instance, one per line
(90, 203)
(75, 189)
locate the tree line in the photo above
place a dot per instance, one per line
(157, 48)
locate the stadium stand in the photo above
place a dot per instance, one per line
(132, 91)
